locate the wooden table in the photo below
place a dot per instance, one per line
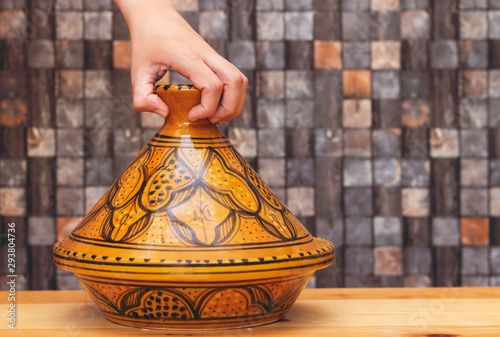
(435, 312)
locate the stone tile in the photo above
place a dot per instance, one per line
(211, 5)
(70, 143)
(186, 5)
(69, 201)
(328, 142)
(272, 171)
(327, 54)
(14, 24)
(357, 83)
(69, 54)
(271, 143)
(444, 143)
(358, 231)
(494, 24)
(65, 225)
(270, 26)
(12, 201)
(299, 113)
(388, 261)
(473, 113)
(473, 83)
(298, 5)
(495, 201)
(415, 201)
(475, 231)
(385, 5)
(300, 200)
(415, 4)
(473, 25)
(98, 25)
(299, 25)
(386, 84)
(495, 260)
(69, 25)
(97, 84)
(415, 173)
(415, 24)
(12, 172)
(300, 172)
(69, 5)
(357, 143)
(358, 202)
(387, 231)
(41, 142)
(271, 84)
(98, 171)
(445, 232)
(121, 54)
(417, 261)
(474, 172)
(69, 83)
(494, 172)
(415, 113)
(385, 25)
(473, 4)
(127, 142)
(213, 25)
(355, 5)
(270, 55)
(387, 201)
(357, 172)
(93, 194)
(356, 55)
(242, 54)
(473, 54)
(417, 281)
(414, 85)
(332, 230)
(271, 114)
(99, 5)
(69, 112)
(494, 84)
(387, 172)
(386, 142)
(473, 202)
(69, 171)
(475, 261)
(354, 27)
(385, 55)
(494, 113)
(299, 84)
(269, 5)
(41, 54)
(444, 54)
(299, 54)
(357, 113)
(474, 143)
(475, 281)
(358, 260)
(494, 4)
(98, 113)
(41, 231)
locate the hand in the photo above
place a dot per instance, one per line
(161, 39)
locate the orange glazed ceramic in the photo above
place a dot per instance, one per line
(190, 237)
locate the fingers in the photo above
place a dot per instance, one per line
(144, 97)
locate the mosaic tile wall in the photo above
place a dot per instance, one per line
(376, 121)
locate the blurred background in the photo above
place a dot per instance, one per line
(376, 121)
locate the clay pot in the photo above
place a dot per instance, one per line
(190, 237)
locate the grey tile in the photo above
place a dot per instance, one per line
(494, 172)
(97, 5)
(268, 5)
(494, 24)
(127, 142)
(69, 54)
(474, 172)
(98, 84)
(387, 172)
(98, 25)
(415, 172)
(475, 261)
(473, 25)
(300, 200)
(355, 27)
(495, 260)
(299, 25)
(272, 171)
(358, 202)
(69, 112)
(328, 142)
(69, 201)
(70, 143)
(270, 55)
(358, 261)
(41, 231)
(387, 142)
(271, 143)
(98, 171)
(298, 5)
(473, 113)
(242, 54)
(41, 54)
(387, 231)
(270, 26)
(445, 232)
(213, 25)
(299, 113)
(69, 171)
(474, 202)
(358, 231)
(300, 172)
(356, 55)
(299, 84)
(474, 143)
(444, 54)
(415, 4)
(385, 84)
(494, 113)
(417, 261)
(355, 5)
(474, 54)
(270, 113)
(12, 172)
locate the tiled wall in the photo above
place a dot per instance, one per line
(377, 121)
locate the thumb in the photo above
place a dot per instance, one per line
(144, 97)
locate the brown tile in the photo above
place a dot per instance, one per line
(12, 112)
(473, 83)
(41, 142)
(69, 83)
(357, 143)
(327, 54)
(65, 225)
(12, 201)
(475, 231)
(13, 24)
(385, 55)
(121, 54)
(415, 25)
(357, 113)
(415, 201)
(357, 83)
(415, 113)
(495, 201)
(388, 261)
(444, 143)
(385, 5)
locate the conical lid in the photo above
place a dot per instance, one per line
(190, 199)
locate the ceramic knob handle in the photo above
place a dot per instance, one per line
(180, 99)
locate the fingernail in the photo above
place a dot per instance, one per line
(215, 121)
(160, 112)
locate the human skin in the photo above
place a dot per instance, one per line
(160, 40)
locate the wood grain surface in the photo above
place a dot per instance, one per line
(434, 312)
